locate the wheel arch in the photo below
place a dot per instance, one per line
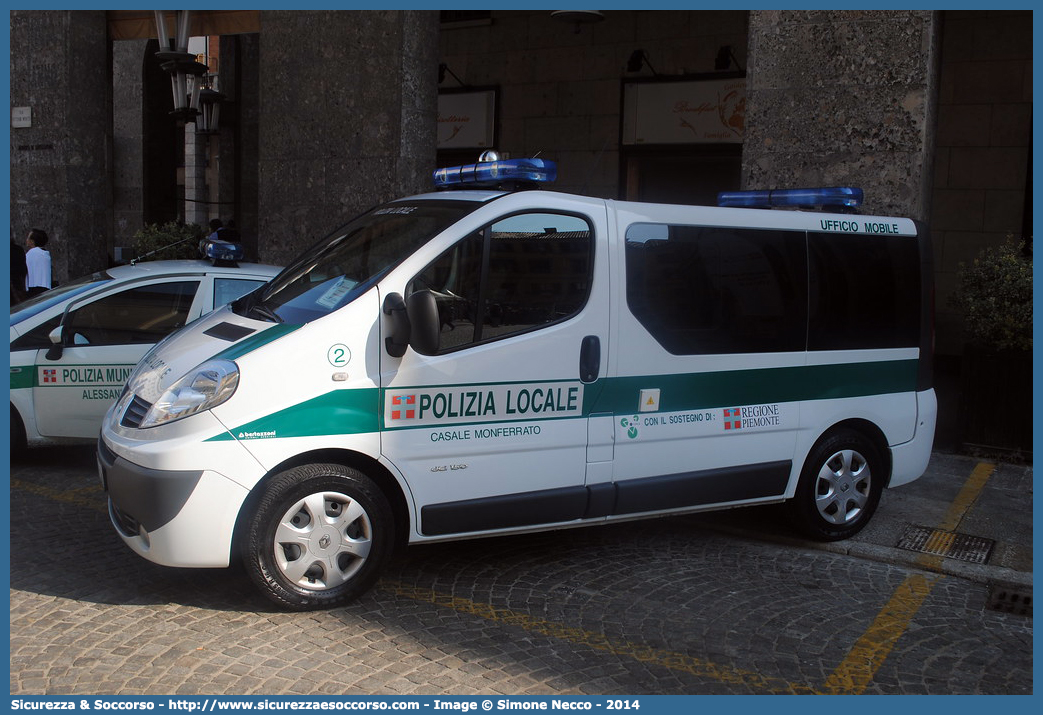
(19, 433)
(373, 469)
(870, 431)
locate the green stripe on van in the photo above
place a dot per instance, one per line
(358, 411)
(696, 391)
(337, 412)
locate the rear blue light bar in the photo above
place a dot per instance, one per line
(843, 197)
(223, 251)
(491, 173)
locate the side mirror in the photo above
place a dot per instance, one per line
(398, 341)
(423, 315)
(57, 349)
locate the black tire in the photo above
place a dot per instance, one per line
(302, 559)
(839, 487)
(19, 442)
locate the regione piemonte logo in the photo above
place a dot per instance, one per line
(732, 418)
(403, 407)
(50, 375)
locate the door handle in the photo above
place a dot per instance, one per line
(590, 359)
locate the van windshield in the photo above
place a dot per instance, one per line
(350, 261)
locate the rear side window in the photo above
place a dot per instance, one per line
(865, 292)
(518, 274)
(706, 290)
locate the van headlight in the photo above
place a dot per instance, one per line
(206, 387)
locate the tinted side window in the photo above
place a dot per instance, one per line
(141, 315)
(701, 290)
(865, 292)
(519, 274)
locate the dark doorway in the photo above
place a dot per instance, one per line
(683, 175)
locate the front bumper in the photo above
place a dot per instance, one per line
(180, 518)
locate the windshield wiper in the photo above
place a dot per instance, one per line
(263, 311)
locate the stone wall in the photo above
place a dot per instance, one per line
(844, 98)
(347, 119)
(128, 140)
(60, 166)
(984, 146)
(238, 146)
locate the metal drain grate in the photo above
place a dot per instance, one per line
(951, 545)
(1007, 600)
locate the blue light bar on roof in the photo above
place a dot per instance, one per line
(540, 171)
(223, 251)
(838, 196)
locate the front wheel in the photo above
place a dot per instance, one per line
(839, 488)
(319, 536)
(19, 442)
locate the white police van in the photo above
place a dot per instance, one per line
(73, 347)
(476, 362)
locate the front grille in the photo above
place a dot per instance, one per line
(135, 413)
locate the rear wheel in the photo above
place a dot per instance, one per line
(19, 442)
(839, 488)
(319, 536)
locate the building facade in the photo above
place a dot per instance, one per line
(329, 112)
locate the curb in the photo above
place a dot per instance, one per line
(977, 573)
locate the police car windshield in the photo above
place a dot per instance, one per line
(338, 269)
(39, 303)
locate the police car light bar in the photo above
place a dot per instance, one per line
(847, 198)
(538, 171)
(223, 252)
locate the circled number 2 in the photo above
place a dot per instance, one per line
(339, 355)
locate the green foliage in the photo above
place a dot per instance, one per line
(995, 296)
(154, 237)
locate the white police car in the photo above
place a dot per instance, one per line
(73, 347)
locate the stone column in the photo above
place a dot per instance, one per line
(197, 208)
(348, 102)
(844, 98)
(238, 146)
(61, 178)
(128, 140)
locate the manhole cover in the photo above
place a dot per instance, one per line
(949, 544)
(1008, 600)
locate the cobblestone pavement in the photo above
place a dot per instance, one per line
(667, 606)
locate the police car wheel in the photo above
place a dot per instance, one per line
(19, 442)
(839, 488)
(318, 537)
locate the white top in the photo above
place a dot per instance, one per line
(38, 262)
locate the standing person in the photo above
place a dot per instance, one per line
(215, 229)
(18, 273)
(37, 263)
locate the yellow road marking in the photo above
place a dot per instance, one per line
(870, 651)
(852, 676)
(968, 495)
(683, 662)
(70, 496)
